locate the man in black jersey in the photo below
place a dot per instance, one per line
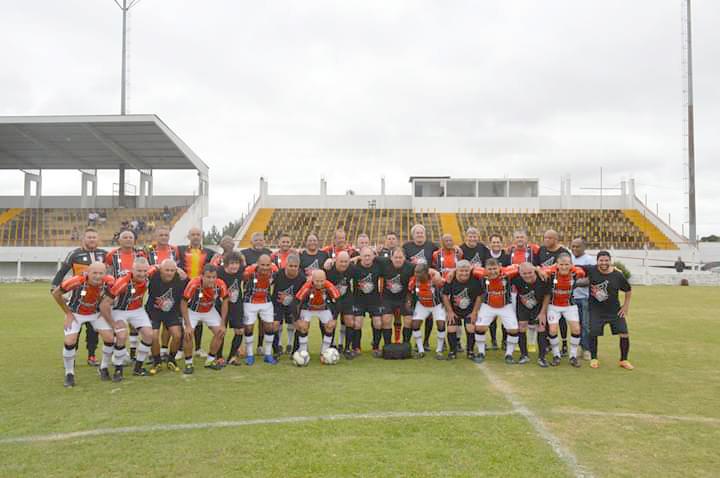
(252, 254)
(287, 283)
(473, 250)
(312, 257)
(165, 291)
(420, 251)
(231, 273)
(531, 308)
(76, 262)
(339, 272)
(396, 274)
(462, 297)
(366, 281)
(391, 242)
(605, 284)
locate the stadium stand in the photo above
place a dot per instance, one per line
(54, 227)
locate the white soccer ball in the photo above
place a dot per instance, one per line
(301, 358)
(331, 356)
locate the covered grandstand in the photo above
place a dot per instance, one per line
(36, 231)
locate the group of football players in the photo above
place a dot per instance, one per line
(155, 300)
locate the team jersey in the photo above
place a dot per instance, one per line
(121, 261)
(604, 288)
(503, 258)
(419, 254)
(341, 280)
(218, 260)
(385, 253)
(518, 255)
(395, 281)
(77, 261)
(128, 293)
(462, 295)
(424, 292)
(445, 261)
(366, 282)
(202, 299)
(530, 296)
(256, 286)
(562, 286)
(285, 288)
(310, 262)
(496, 290)
(85, 298)
(193, 259)
(546, 257)
(156, 253)
(233, 283)
(279, 258)
(311, 298)
(476, 255)
(164, 297)
(333, 251)
(252, 255)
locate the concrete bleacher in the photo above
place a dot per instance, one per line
(53, 227)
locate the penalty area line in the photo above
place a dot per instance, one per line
(51, 437)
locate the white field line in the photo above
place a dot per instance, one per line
(519, 407)
(640, 416)
(244, 423)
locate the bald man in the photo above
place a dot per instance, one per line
(339, 272)
(317, 299)
(83, 307)
(531, 308)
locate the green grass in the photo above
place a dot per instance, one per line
(673, 332)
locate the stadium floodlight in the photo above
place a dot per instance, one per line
(690, 116)
(125, 6)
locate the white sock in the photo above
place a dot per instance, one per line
(327, 340)
(342, 333)
(440, 341)
(417, 335)
(133, 341)
(189, 360)
(107, 351)
(119, 356)
(512, 340)
(142, 352)
(480, 342)
(555, 343)
(163, 351)
(574, 343)
(267, 344)
(69, 360)
(302, 343)
(290, 334)
(249, 345)
(532, 334)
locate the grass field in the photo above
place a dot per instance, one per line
(371, 417)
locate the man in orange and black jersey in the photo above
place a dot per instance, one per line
(76, 262)
(497, 253)
(227, 245)
(257, 289)
(279, 257)
(339, 244)
(425, 298)
(522, 250)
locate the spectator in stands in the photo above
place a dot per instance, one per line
(92, 218)
(75, 234)
(150, 225)
(134, 224)
(581, 293)
(679, 265)
(166, 215)
(102, 217)
(141, 225)
(124, 225)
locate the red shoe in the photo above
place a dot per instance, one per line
(92, 361)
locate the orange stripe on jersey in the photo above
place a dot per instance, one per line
(497, 289)
(445, 260)
(423, 291)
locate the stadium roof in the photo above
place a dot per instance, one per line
(93, 142)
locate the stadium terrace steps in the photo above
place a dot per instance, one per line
(259, 224)
(656, 238)
(449, 222)
(9, 214)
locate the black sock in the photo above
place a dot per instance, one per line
(470, 342)
(453, 340)
(624, 347)
(428, 329)
(349, 334)
(563, 331)
(542, 344)
(235, 345)
(357, 338)
(493, 331)
(156, 360)
(198, 336)
(407, 334)
(504, 335)
(523, 343)
(387, 336)
(594, 346)
(276, 338)
(377, 334)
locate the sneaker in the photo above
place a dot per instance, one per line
(470, 355)
(92, 361)
(140, 372)
(200, 353)
(269, 359)
(118, 375)
(288, 350)
(524, 359)
(451, 356)
(172, 366)
(542, 363)
(555, 361)
(221, 361)
(104, 374)
(214, 365)
(69, 380)
(179, 355)
(154, 369)
(420, 355)
(479, 358)
(439, 356)
(234, 361)
(574, 362)
(626, 365)
(189, 369)
(250, 360)
(586, 355)
(509, 360)
(564, 350)
(594, 363)
(376, 353)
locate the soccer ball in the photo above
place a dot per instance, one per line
(331, 356)
(301, 358)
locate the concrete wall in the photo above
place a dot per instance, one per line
(457, 204)
(192, 217)
(339, 202)
(104, 202)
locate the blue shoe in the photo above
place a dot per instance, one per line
(270, 359)
(250, 360)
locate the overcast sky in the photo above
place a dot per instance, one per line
(356, 90)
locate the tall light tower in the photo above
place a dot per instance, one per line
(125, 6)
(689, 121)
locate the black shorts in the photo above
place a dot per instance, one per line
(361, 308)
(286, 314)
(527, 315)
(235, 320)
(344, 306)
(462, 319)
(618, 325)
(395, 306)
(167, 321)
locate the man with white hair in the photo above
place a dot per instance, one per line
(420, 251)
(472, 249)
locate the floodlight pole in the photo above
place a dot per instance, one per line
(124, 57)
(692, 218)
